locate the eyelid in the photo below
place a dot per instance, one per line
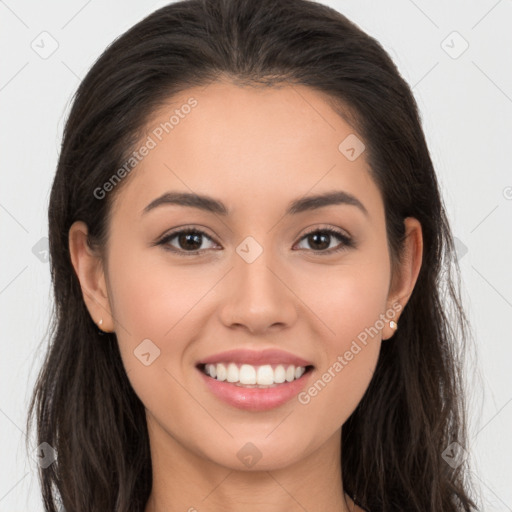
(346, 240)
(326, 228)
(193, 228)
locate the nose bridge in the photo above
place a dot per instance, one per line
(259, 298)
(256, 282)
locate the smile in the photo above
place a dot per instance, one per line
(254, 397)
(248, 375)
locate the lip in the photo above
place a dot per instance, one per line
(256, 399)
(255, 357)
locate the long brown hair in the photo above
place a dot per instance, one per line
(394, 443)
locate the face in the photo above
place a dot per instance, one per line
(258, 269)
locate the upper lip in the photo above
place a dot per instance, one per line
(256, 357)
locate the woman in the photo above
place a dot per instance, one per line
(247, 244)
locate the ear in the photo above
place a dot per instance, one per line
(90, 272)
(406, 275)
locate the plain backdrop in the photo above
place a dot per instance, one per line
(457, 57)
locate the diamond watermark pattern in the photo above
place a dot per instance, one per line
(45, 455)
(454, 45)
(454, 455)
(352, 147)
(45, 45)
(461, 248)
(41, 250)
(249, 250)
(249, 455)
(146, 352)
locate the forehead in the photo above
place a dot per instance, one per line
(241, 144)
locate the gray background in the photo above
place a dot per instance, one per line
(465, 97)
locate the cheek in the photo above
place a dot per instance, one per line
(152, 296)
(152, 306)
(160, 301)
(349, 301)
(351, 307)
(149, 303)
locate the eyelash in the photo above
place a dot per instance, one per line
(347, 242)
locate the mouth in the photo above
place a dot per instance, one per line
(252, 376)
(254, 388)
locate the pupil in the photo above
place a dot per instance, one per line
(195, 238)
(316, 236)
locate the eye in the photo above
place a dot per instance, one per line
(189, 240)
(320, 239)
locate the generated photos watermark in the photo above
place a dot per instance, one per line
(144, 149)
(344, 359)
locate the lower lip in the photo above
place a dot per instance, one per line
(255, 399)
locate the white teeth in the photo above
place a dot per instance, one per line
(265, 375)
(254, 376)
(233, 373)
(220, 369)
(279, 374)
(247, 374)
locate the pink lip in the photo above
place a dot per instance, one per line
(255, 399)
(256, 358)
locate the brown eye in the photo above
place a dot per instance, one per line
(190, 241)
(320, 240)
(185, 241)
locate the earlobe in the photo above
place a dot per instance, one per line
(88, 267)
(408, 272)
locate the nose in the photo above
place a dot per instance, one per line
(258, 296)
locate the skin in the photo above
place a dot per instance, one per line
(256, 150)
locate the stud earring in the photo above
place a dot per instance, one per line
(100, 330)
(393, 324)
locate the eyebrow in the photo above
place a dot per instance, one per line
(209, 204)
